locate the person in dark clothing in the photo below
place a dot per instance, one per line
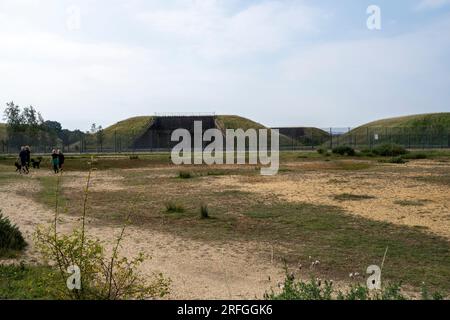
(60, 159)
(55, 161)
(23, 160)
(28, 152)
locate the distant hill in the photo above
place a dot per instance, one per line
(430, 129)
(130, 129)
(436, 120)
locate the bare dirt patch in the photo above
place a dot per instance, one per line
(197, 269)
(387, 187)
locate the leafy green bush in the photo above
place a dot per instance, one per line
(11, 238)
(389, 150)
(322, 151)
(344, 150)
(316, 289)
(101, 277)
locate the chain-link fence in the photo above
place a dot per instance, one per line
(290, 139)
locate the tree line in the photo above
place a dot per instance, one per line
(27, 127)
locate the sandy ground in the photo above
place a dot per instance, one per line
(244, 270)
(197, 270)
(387, 188)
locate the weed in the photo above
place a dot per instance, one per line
(352, 197)
(174, 207)
(184, 175)
(204, 212)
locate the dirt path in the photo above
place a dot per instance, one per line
(197, 270)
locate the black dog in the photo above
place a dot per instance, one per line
(36, 163)
(18, 166)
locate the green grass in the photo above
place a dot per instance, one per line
(29, 282)
(47, 192)
(343, 243)
(352, 197)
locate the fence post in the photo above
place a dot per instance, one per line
(331, 138)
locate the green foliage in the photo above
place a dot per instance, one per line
(299, 290)
(389, 150)
(322, 151)
(11, 238)
(29, 282)
(102, 277)
(316, 289)
(344, 150)
(415, 156)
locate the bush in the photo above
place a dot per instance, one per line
(184, 175)
(398, 160)
(322, 151)
(101, 277)
(344, 150)
(316, 289)
(134, 157)
(174, 207)
(11, 238)
(204, 213)
(389, 150)
(415, 156)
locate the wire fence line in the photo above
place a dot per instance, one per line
(290, 139)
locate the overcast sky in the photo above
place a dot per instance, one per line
(281, 63)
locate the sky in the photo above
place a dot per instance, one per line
(278, 62)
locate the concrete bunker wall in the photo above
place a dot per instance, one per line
(158, 135)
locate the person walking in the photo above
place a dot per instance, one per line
(60, 159)
(55, 161)
(23, 160)
(28, 152)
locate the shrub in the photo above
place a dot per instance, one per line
(102, 277)
(204, 212)
(11, 238)
(315, 289)
(398, 160)
(134, 157)
(344, 150)
(389, 150)
(415, 156)
(174, 207)
(184, 175)
(322, 151)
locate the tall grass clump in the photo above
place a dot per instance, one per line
(172, 206)
(102, 277)
(11, 238)
(204, 211)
